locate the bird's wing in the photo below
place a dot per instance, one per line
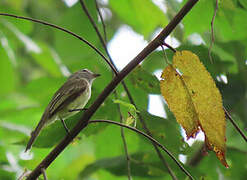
(66, 94)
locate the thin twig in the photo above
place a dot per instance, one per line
(172, 174)
(149, 138)
(102, 20)
(212, 32)
(83, 122)
(64, 30)
(83, 5)
(126, 88)
(98, 33)
(164, 54)
(235, 124)
(170, 171)
(124, 139)
(170, 47)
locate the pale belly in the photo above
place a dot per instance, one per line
(78, 103)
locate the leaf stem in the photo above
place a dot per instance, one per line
(212, 31)
(124, 139)
(170, 47)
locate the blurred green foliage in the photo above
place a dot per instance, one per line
(33, 63)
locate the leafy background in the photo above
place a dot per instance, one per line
(33, 63)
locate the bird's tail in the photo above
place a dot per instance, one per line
(35, 133)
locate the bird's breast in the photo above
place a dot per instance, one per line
(78, 103)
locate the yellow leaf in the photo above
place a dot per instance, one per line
(179, 101)
(206, 99)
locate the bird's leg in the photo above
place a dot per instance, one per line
(64, 125)
(44, 173)
(25, 174)
(82, 109)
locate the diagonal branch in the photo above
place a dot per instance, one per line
(64, 30)
(110, 87)
(128, 94)
(103, 42)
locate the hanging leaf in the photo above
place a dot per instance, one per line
(196, 91)
(179, 101)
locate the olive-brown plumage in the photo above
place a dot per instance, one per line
(73, 94)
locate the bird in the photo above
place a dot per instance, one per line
(71, 97)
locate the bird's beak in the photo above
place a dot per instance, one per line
(96, 75)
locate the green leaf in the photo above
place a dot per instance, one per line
(143, 165)
(154, 61)
(123, 103)
(139, 95)
(70, 48)
(72, 169)
(223, 61)
(131, 111)
(166, 131)
(144, 80)
(235, 158)
(46, 59)
(6, 175)
(201, 21)
(22, 38)
(54, 133)
(42, 89)
(8, 76)
(228, 24)
(243, 3)
(23, 26)
(137, 14)
(15, 102)
(16, 133)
